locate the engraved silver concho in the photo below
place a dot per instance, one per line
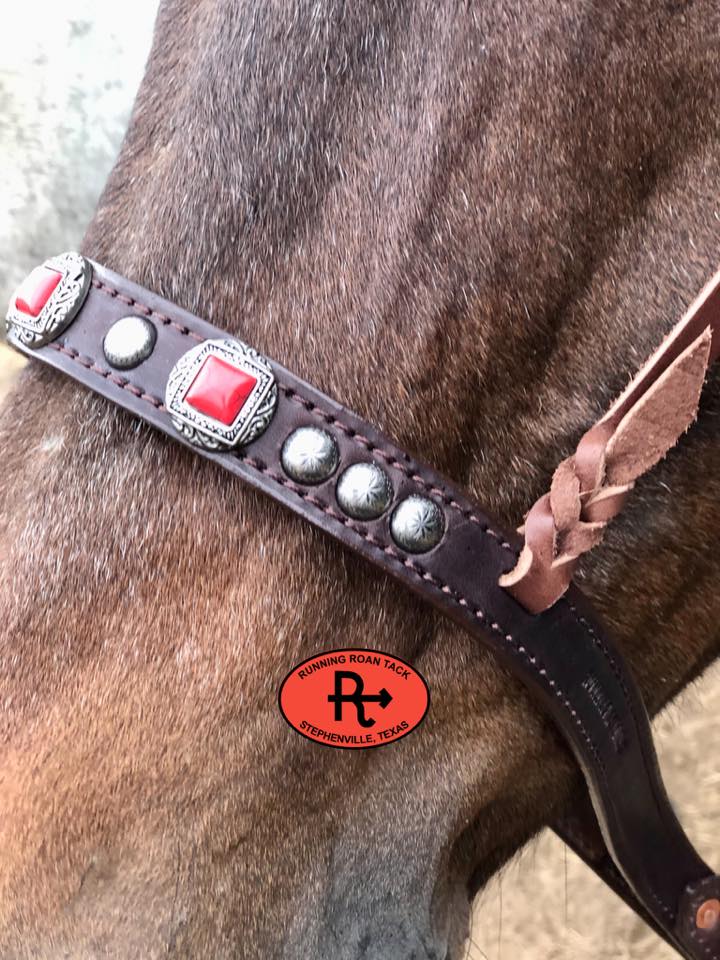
(309, 455)
(60, 308)
(417, 524)
(364, 491)
(214, 431)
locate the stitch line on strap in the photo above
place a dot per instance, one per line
(145, 310)
(119, 381)
(708, 949)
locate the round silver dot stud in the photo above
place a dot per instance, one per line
(417, 524)
(364, 491)
(309, 455)
(128, 342)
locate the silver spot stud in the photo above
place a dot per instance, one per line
(128, 342)
(364, 491)
(309, 455)
(417, 524)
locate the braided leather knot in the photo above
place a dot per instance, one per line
(591, 486)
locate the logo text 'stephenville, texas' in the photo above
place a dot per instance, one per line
(354, 699)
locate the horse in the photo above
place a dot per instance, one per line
(469, 223)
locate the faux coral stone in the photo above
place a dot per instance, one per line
(36, 289)
(220, 390)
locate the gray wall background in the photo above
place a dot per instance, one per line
(68, 76)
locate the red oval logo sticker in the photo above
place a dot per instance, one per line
(354, 699)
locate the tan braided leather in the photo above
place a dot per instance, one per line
(591, 486)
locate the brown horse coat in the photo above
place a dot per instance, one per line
(470, 223)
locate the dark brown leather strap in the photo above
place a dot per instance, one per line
(563, 655)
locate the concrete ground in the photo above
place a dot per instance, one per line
(67, 79)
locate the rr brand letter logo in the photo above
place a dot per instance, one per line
(356, 697)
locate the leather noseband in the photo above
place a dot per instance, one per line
(257, 420)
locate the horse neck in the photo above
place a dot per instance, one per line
(444, 219)
(456, 224)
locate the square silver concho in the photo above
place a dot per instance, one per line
(48, 300)
(221, 394)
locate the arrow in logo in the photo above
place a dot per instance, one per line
(357, 698)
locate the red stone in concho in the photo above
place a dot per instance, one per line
(220, 390)
(36, 289)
